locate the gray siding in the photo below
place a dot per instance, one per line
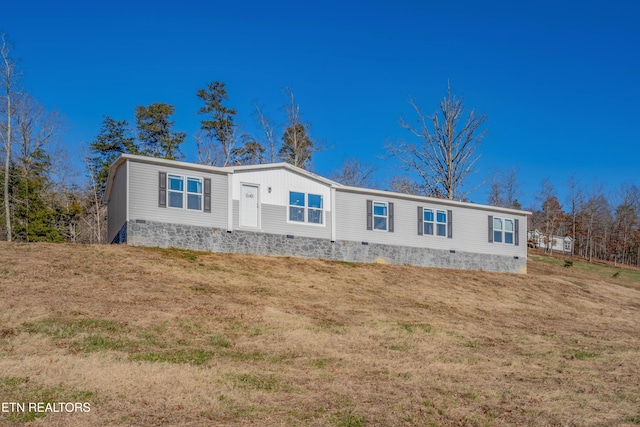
(273, 219)
(117, 207)
(470, 225)
(143, 196)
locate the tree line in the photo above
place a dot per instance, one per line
(219, 140)
(40, 203)
(602, 226)
(599, 227)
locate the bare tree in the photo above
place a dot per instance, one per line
(594, 219)
(575, 200)
(552, 215)
(446, 154)
(355, 173)
(95, 221)
(403, 184)
(268, 129)
(505, 189)
(8, 81)
(297, 147)
(627, 224)
(495, 191)
(511, 187)
(212, 154)
(35, 130)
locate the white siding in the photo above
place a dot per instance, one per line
(470, 225)
(275, 185)
(143, 196)
(281, 181)
(117, 206)
(274, 221)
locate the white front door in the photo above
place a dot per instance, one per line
(249, 206)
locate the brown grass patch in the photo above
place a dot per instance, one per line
(165, 337)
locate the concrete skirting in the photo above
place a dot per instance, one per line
(165, 235)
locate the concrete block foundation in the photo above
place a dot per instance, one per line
(166, 235)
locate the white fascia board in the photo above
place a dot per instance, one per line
(446, 202)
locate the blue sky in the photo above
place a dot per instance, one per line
(558, 80)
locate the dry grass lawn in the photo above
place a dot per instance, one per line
(153, 337)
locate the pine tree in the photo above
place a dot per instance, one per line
(251, 153)
(218, 126)
(155, 135)
(35, 219)
(114, 139)
(296, 148)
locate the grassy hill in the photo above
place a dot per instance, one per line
(153, 337)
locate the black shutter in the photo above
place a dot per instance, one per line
(207, 194)
(450, 224)
(420, 221)
(490, 229)
(390, 217)
(369, 215)
(516, 230)
(162, 189)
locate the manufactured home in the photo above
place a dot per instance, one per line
(279, 209)
(562, 244)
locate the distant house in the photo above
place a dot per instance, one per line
(279, 209)
(562, 244)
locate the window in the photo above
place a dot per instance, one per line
(194, 194)
(176, 192)
(434, 222)
(503, 230)
(429, 220)
(380, 216)
(301, 202)
(508, 231)
(441, 220)
(296, 206)
(314, 213)
(497, 230)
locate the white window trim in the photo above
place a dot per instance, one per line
(373, 216)
(185, 192)
(424, 221)
(306, 209)
(503, 231)
(435, 222)
(169, 190)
